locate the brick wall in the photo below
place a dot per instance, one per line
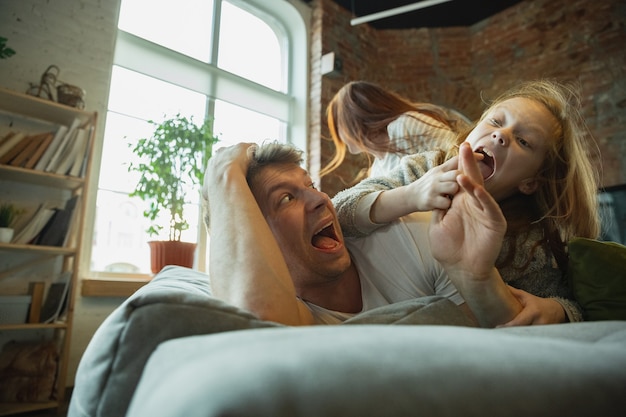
(574, 40)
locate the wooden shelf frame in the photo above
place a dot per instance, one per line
(23, 109)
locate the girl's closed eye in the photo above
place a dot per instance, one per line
(524, 142)
(495, 122)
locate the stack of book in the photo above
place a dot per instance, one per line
(62, 152)
(48, 225)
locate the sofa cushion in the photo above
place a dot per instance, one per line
(176, 303)
(597, 274)
(373, 370)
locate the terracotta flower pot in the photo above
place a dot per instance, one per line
(169, 252)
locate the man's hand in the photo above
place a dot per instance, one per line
(468, 236)
(229, 159)
(467, 239)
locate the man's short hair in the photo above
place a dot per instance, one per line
(272, 153)
(266, 154)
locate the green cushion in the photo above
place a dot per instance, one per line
(597, 274)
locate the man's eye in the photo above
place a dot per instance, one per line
(286, 198)
(312, 185)
(494, 122)
(523, 142)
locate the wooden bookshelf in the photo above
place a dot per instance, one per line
(23, 264)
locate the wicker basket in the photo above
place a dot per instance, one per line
(71, 95)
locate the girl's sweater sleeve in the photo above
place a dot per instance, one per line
(353, 204)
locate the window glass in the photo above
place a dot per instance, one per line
(249, 48)
(151, 82)
(183, 25)
(148, 98)
(229, 121)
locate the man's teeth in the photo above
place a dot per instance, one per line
(487, 152)
(324, 227)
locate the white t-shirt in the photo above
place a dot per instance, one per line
(412, 132)
(395, 264)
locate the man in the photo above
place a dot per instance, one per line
(277, 249)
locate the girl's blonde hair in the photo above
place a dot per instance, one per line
(566, 199)
(363, 110)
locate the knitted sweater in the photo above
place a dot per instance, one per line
(412, 133)
(532, 269)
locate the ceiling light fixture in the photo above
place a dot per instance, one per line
(396, 11)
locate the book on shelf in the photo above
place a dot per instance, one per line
(37, 153)
(51, 149)
(33, 143)
(55, 232)
(65, 147)
(80, 162)
(5, 133)
(11, 145)
(25, 147)
(72, 161)
(34, 225)
(56, 298)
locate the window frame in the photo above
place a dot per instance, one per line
(290, 106)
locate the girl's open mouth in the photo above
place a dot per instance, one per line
(488, 164)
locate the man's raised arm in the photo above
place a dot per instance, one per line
(246, 265)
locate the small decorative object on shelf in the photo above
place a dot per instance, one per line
(71, 95)
(67, 94)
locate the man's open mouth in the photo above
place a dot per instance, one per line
(488, 164)
(326, 238)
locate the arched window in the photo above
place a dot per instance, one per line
(240, 62)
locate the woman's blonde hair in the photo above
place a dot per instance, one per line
(566, 199)
(363, 110)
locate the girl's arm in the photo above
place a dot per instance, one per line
(354, 204)
(431, 191)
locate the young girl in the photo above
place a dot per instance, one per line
(364, 117)
(536, 161)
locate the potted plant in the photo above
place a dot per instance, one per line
(8, 214)
(171, 161)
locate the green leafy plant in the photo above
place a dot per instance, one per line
(5, 51)
(8, 214)
(171, 161)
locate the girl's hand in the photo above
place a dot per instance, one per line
(435, 189)
(536, 310)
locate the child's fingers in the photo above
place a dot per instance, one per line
(468, 163)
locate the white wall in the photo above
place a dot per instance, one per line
(77, 36)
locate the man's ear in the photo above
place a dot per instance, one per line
(528, 186)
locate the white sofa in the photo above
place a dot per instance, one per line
(173, 350)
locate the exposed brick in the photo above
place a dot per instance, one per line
(571, 40)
